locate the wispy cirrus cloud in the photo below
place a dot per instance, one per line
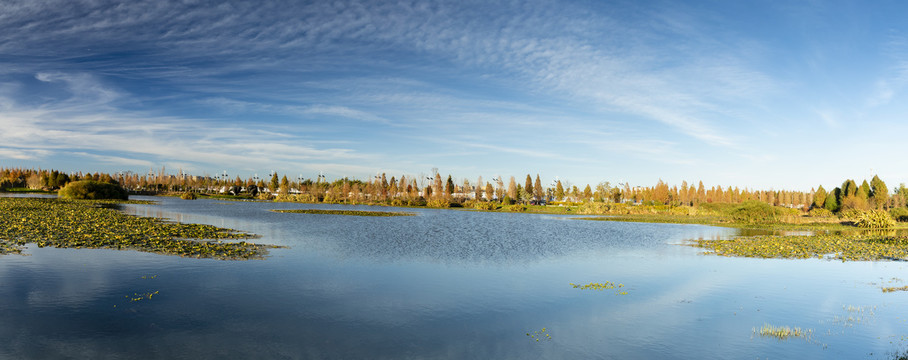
(347, 83)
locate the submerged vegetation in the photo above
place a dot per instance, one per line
(347, 212)
(87, 224)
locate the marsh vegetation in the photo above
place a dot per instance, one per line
(87, 224)
(783, 332)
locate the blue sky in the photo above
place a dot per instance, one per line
(774, 94)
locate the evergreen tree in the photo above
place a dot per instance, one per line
(832, 200)
(528, 185)
(587, 193)
(274, 182)
(819, 197)
(849, 188)
(864, 190)
(449, 187)
(879, 193)
(285, 185)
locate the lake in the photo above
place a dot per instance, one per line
(442, 284)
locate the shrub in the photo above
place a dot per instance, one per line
(506, 201)
(855, 202)
(188, 196)
(488, 205)
(93, 190)
(899, 214)
(517, 208)
(303, 198)
(683, 210)
(875, 219)
(753, 212)
(438, 203)
(593, 208)
(820, 212)
(851, 214)
(5, 184)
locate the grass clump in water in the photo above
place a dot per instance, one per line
(608, 285)
(347, 212)
(895, 288)
(782, 332)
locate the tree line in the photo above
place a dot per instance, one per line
(441, 190)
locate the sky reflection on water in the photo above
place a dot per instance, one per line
(442, 284)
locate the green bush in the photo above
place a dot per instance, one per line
(755, 212)
(593, 208)
(188, 196)
(899, 214)
(820, 213)
(517, 208)
(506, 201)
(487, 205)
(875, 219)
(438, 203)
(851, 214)
(93, 190)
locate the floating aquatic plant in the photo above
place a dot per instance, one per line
(608, 285)
(84, 224)
(783, 332)
(143, 296)
(894, 289)
(540, 335)
(868, 247)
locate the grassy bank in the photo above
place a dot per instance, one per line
(91, 224)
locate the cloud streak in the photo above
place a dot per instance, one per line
(358, 85)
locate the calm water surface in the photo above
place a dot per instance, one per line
(442, 284)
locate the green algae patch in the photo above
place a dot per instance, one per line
(867, 247)
(93, 225)
(347, 212)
